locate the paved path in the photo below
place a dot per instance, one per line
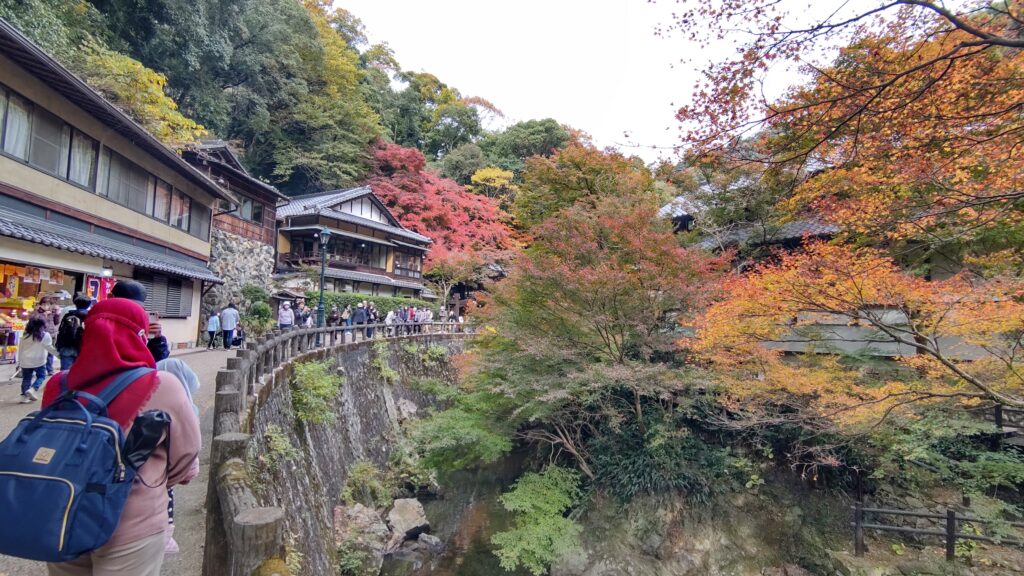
(190, 511)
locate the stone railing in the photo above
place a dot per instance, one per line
(242, 537)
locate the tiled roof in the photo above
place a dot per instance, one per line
(679, 206)
(794, 230)
(38, 231)
(374, 278)
(322, 203)
(310, 203)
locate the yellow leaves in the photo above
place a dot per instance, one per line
(139, 91)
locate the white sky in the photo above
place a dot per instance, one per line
(596, 65)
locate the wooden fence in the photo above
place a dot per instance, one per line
(242, 537)
(951, 532)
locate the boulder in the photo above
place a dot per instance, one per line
(432, 543)
(361, 528)
(407, 520)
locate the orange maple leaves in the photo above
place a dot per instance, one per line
(958, 338)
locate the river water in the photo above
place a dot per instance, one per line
(465, 517)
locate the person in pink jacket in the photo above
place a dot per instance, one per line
(114, 340)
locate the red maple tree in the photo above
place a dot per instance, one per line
(456, 219)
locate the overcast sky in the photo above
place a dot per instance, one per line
(593, 64)
(596, 65)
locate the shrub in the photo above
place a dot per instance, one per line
(314, 387)
(350, 559)
(664, 459)
(457, 438)
(367, 485)
(258, 319)
(541, 532)
(252, 294)
(383, 303)
(380, 362)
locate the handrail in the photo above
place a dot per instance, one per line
(243, 538)
(951, 533)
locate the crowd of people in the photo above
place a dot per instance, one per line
(96, 343)
(364, 319)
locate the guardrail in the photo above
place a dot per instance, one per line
(951, 533)
(242, 537)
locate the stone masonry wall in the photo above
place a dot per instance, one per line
(370, 411)
(239, 261)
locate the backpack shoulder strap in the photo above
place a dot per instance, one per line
(122, 381)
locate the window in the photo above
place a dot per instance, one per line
(166, 296)
(51, 143)
(250, 210)
(127, 184)
(162, 201)
(200, 227)
(181, 206)
(17, 127)
(82, 170)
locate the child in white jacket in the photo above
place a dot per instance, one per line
(33, 348)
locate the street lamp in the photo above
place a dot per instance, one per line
(324, 236)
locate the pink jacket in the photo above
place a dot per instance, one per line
(145, 513)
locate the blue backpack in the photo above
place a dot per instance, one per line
(63, 476)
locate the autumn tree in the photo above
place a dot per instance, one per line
(910, 129)
(579, 172)
(959, 339)
(452, 269)
(582, 327)
(495, 183)
(456, 219)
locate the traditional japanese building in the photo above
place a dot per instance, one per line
(243, 236)
(368, 251)
(87, 197)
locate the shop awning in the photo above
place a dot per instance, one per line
(71, 239)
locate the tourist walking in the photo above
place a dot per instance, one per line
(33, 348)
(212, 328)
(69, 333)
(334, 317)
(389, 321)
(360, 317)
(346, 315)
(286, 316)
(228, 322)
(114, 343)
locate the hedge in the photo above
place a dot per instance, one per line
(384, 304)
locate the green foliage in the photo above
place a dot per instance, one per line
(541, 532)
(455, 124)
(350, 559)
(456, 438)
(367, 485)
(510, 149)
(258, 319)
(381, 352)
(314, 387)
(261, 465)
(252, 294)
(139, 91)
(384, 303)
(59, 26)
(656, 459)
(461, 163)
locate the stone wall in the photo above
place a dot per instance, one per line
(239, 261)
(370, 411)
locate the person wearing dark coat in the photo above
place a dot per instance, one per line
(360, 317)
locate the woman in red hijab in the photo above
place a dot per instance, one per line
(114, 340)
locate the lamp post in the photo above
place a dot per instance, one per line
(324, 236)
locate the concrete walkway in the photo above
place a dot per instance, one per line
(190, 511)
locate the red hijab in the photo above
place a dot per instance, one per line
(114, 340)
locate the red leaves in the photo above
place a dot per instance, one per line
(454, 218)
